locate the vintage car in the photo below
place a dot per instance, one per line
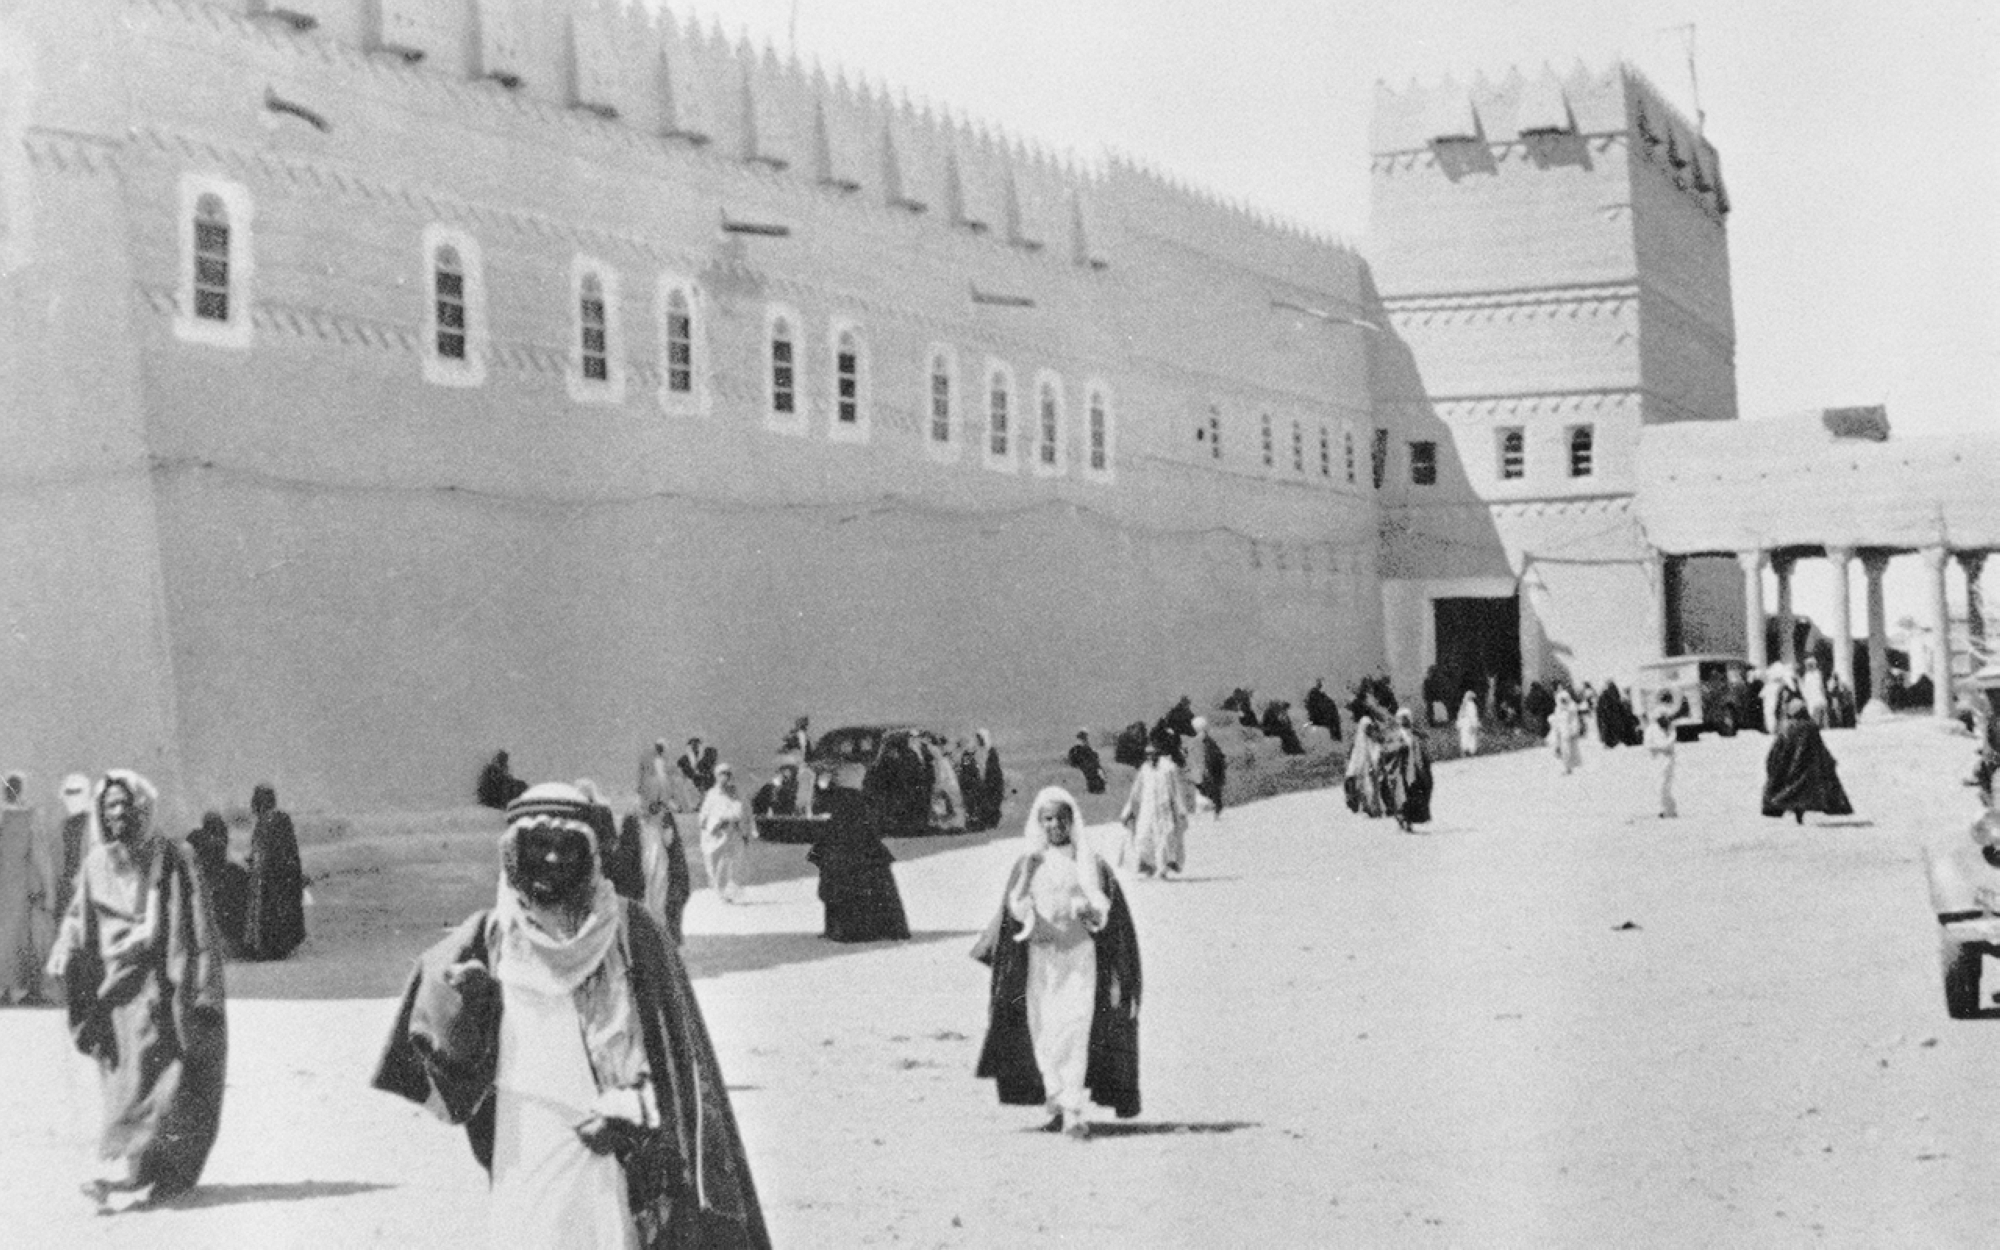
(1711, 692)
(887, 764)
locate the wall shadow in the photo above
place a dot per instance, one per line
(716, 954)
(1160, 1128)
(283, 1191)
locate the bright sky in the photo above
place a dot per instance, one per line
(1858, 138)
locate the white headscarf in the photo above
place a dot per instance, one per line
(76, 794)
(145, 801)
(1035, 839)
(529, 955)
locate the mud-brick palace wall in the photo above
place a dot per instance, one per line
(307, 542)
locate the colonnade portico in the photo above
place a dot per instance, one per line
(1874, 564)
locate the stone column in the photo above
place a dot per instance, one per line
(1788, 649)
(1974, 563)
(1843, 633)
(1935, 559)
(1752, 563)
(1873, 565)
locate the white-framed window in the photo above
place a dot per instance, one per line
(1048, 456)
(454, 328)
(1325, 451)
(1270, 447)
(1001, 418)
(683, 346)
(596, 367)
(1582, 450)
(849, 400)
(941, 403)
(1100, 434)
(784, 380)
(1298, 448)
(1215, 431)
(216, 263)
(1512, 447)
(1423, 462)
(1347, 452)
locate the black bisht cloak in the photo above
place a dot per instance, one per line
(1008, 1056)
(274, 921)
(857, 886)
(689, 1184)
(1800, 775)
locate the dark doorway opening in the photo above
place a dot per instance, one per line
(1478, 649)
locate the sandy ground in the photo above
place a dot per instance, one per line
(1551, 1020)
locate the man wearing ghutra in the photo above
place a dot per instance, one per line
(141, 963)
(562, 1033)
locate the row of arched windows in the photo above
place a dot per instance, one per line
(1208, 431)
(215, 306)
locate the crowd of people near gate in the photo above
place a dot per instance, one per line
(559, 1027)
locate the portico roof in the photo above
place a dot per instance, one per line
(1826, 478)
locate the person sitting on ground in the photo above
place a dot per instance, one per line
(1277, 724)
(1800, 775)
(1129, 748)
(497, 783)
(1083, 758)
(1321, 710)
(275, 922)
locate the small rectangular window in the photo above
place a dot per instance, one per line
(1325, 453)
(1423, 463)
(1347, 454)
(847, 368)
(1214, 434)
(1582, 451)
(1298, 449)
(1270, 455)
(940, 402)
(1513, 454)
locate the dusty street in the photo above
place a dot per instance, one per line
(1551, 1020)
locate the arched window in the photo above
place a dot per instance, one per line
(1298, 449)
(595, 343)
(680, 343)
(784, 382)
(847, 379)
(1270, 452)
(448, 298)
(1513, 453)
(211, 259)
(1325, 453)
(1582, 450)
(453, 346)
(216, 292)
(1214, 432)
(1347, 453)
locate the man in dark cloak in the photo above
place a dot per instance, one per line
(1616, 725)
(1163, 736)
(1404, 767)
(1321, 709)
(992, 783)
(780, 795)
(588, 970)
(1129, 748)
(1083, 758)
(497, 784)
(226, 881)
(1007, 1057)
(1539, 704)
(857, 887)
(1799, 772)
(897, 787)
(141, 965)
(1214, 766)
(274, 922)
(1180, 718)
(697, 764)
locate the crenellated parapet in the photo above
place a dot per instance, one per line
(1547, 120)
(1159, 205)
